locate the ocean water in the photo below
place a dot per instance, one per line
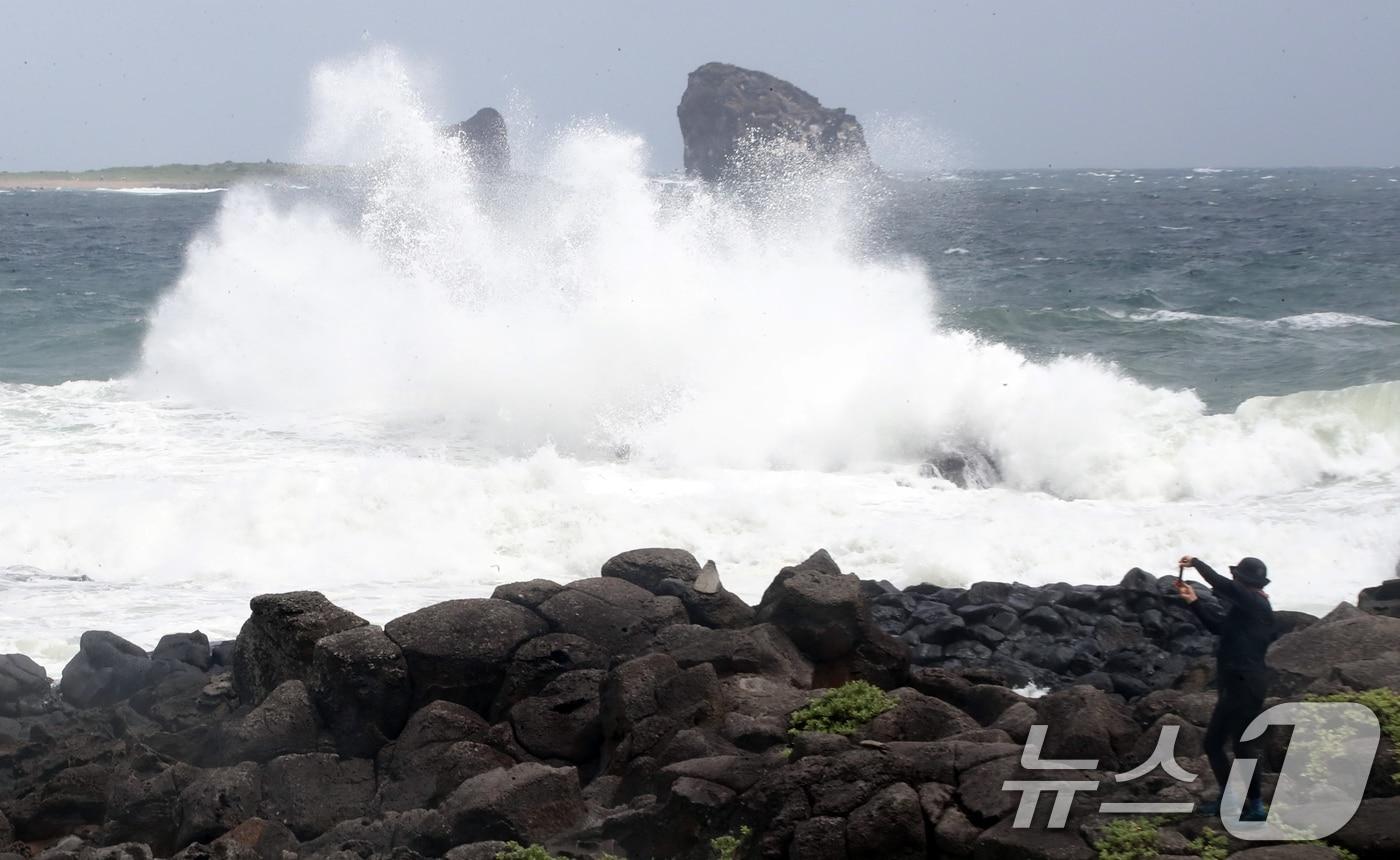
(407, 384)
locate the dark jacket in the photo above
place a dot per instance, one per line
(1245, 631)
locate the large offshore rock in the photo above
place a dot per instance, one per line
(484, 138)
(277, 641)
(725, 106)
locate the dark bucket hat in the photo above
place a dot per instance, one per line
(1251, 571)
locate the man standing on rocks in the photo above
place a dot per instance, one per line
(1241, 673)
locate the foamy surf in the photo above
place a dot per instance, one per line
(156, 191)
(1318, 321)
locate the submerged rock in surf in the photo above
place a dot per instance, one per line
(484, 138)
(974, 470)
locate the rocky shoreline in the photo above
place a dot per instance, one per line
(649, 713)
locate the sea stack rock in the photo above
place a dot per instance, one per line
(724, 105)
(484, 138)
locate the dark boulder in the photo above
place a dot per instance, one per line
(458, 650)
(1382, 671)
(190, 648)
(529, 803)
(618, 616)
(277, 641)
(283, 723)
(25, 688)
(1383, 599)
(312, 792)
(443, 744)
(529, 594)
(256, 838)
(108, 669)
(216, 800)
(1005, 842)
(646, 701)
(1310, 653)
(541, 660)
(561, 721)
(1371, 832)
(759, 650)
(720, 608)
(889, 825)
(141, 805)
(820, 609)
(403, 835)
(692, 806)
(648, 568)
(70, 798)
(916, 717)
(1085, 723)
(1287, 620)
(820, 838)
(724, 107)
(361, 687)
(483, 136)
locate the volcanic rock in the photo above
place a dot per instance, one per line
(725, 107)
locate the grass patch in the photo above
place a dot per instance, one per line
(727, 847)
(1210, 845)
(1129, 839)
(843, 710)
(516, 851)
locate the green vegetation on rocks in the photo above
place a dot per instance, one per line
(1383, 701)
(1210, 845)
(1129, 839)
(842, 710)
(727, 847)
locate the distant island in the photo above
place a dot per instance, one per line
(186, 176)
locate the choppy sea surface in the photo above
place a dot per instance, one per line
(414, 384)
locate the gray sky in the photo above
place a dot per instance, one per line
(999, 84)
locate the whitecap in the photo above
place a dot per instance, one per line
(1307, 322)
(1328, 319)
(154, 191)
(958, 251)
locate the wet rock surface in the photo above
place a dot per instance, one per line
(613, 715)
